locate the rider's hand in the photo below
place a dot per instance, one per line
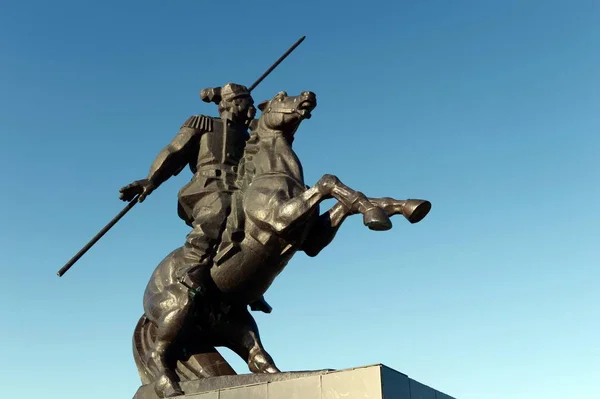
(143, 188)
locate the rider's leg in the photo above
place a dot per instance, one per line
(210, 215)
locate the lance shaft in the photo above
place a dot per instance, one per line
(133, 202)
(98, 236)
(276, 63)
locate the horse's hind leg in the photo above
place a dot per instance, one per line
(170, 310)
(239, 333)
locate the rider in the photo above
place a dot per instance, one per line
(212, 147)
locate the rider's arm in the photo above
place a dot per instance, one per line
(174, 157)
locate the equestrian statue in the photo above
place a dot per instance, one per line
(250, 211)
(272, 214)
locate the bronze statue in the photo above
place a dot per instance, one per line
(250, 212)
(273, 215)
(197, 122)
(212, 148)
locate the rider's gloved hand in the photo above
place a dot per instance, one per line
(143, 188)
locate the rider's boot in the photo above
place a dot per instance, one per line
(261, 306)
(195, 273)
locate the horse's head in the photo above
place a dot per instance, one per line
(284, 113)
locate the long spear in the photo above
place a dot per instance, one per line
(134, 201)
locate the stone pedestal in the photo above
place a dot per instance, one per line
(373, 382)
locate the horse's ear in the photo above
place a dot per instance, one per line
(263, 105)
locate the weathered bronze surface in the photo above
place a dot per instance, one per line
(258, 216)
(207, 95)
(250, 211)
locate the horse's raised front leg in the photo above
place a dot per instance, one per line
(327, 225)
(325, 228)
(295, 210)
(414, 210)
(238, 331)
(355, 202)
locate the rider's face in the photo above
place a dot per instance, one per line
(242, 109)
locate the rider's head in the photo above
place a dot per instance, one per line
(235, 102)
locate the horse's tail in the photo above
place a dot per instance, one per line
(141, 346)
(204, 362)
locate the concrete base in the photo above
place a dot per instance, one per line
(373, 382)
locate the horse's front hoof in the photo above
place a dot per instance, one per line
(415, 210)
(376, 219)
(167, 388)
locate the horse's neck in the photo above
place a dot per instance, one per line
(246, 168)
(276, 156)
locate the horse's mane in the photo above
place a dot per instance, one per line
(246, 168)
(263, 139)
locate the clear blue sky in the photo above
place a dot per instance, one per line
(489, 109)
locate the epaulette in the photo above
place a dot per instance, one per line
(201, 122)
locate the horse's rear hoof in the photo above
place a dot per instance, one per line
(376, 219)
(167, 388)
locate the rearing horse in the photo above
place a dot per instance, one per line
(281, 214)
(273, 215)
